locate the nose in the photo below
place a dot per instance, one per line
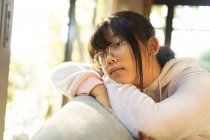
(110, 59)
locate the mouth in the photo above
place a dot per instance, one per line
(115, 70)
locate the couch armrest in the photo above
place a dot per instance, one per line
(82, 119)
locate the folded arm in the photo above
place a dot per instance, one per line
(180, 115)
(72, 79)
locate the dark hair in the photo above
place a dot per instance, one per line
(164, 55)
(128, 25)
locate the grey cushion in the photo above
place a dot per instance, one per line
(83, 119)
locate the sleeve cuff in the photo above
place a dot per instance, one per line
(88, 85)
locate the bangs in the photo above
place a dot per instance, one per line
(98, 40)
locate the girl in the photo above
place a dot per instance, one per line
(152, 93)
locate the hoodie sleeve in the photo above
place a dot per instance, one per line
(184, 113)
(71, 79)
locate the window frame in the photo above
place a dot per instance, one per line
(6, 13)
(171, 4)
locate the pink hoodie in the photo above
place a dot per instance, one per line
(175, 106)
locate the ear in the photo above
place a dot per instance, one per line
(153, 46)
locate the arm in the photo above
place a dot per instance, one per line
(101, 95)
(186, 112)
(72, 79)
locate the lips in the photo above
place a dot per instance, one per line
(115, 69)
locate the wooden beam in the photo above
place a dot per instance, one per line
(6, 10)
(169, 26)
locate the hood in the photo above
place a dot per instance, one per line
(171, 70)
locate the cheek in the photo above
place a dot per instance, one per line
(131, 73)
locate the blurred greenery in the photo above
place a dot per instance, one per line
(45, 49)
(204, 60)
(30, 74)
(20, 78)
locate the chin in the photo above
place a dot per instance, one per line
(121, 81)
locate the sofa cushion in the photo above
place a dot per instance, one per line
(83, 119)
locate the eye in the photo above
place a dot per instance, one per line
(102, 54)
(118, 44)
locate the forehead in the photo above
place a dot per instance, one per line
(111, 36)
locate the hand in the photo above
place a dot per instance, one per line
(101, 95)
(144, 137)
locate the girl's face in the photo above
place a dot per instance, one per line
(120, 65)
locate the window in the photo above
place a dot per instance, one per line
(41, 29)
(158, 20)
(37, 45)
(183, 25)
(191, 30)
